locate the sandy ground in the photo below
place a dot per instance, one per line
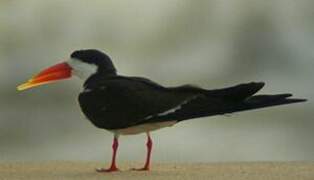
(216, 171)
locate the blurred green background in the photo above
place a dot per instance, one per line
(213, 43)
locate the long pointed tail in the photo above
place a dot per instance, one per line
(225, 107)
(263, 101)
(229, 100)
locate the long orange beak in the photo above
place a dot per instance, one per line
(49, 75)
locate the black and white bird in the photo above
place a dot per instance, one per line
(132, 105)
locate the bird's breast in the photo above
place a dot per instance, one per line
(105, 110)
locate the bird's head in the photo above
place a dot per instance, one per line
(82, 63)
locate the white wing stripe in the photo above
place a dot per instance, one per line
(173, 110)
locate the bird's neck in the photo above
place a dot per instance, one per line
(99, 77)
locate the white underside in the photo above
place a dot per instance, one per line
(144, 128)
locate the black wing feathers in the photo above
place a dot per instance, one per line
(237, 93)
(228, 100)
(120, 102)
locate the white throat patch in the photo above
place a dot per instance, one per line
(81, 69)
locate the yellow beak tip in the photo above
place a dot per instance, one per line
(22, 87)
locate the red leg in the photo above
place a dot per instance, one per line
(113, 166)
(149, 145)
